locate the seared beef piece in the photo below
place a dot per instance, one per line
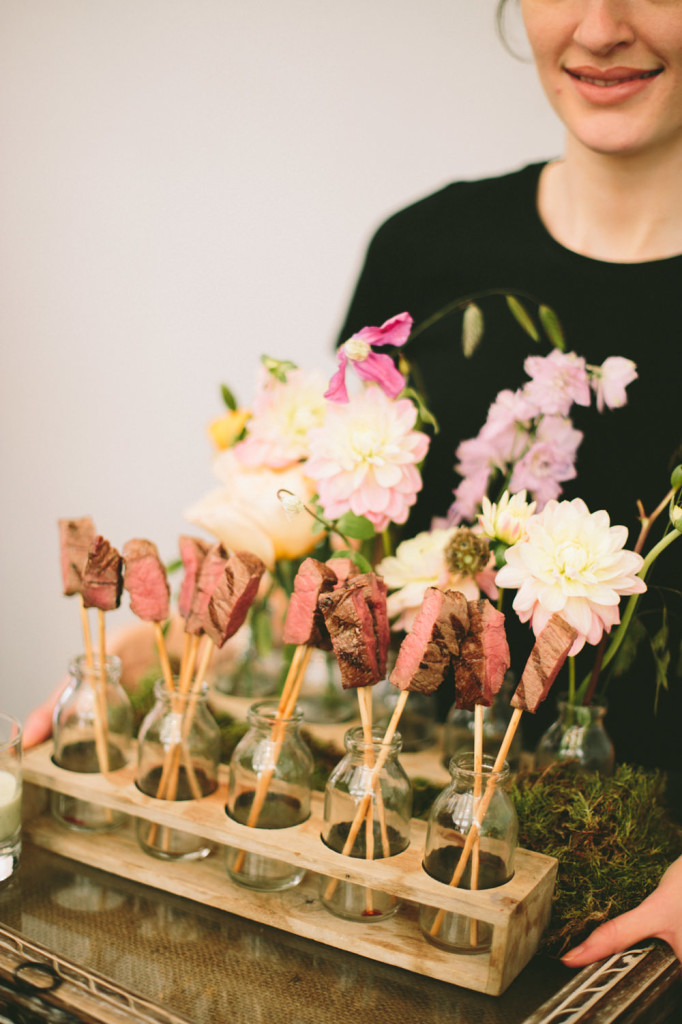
(305, 623)
(103, 577)
(376, 591)
(348, 617)
(233, 596)
(145, 580)
(550, 651)
(483, 660)
(210, 574)
(192, 551)
(75, 538)
(344, 568)
(426, 652)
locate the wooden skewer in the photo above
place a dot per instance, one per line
(285, 709)
(101, 689)
(478, 770)
(366, 718)
(364, 804)
(100, 737)
(482, 808)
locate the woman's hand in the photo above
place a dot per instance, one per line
(658, 916)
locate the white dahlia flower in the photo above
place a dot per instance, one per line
(571, 562)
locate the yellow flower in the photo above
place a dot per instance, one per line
(225, 430)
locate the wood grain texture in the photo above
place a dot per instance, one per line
(519, 910)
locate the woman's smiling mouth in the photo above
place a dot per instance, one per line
(611, 86)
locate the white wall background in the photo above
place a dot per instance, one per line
(185, 184)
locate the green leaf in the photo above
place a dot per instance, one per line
(552, 327)
(522, 317)
(357, 527)
(172, 567)
(362, 563)
(628, 649)
(425, 414)
(228, 398)
(661, 651)
(279, 368)
(472, 329)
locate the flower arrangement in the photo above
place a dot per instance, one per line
(315, 468)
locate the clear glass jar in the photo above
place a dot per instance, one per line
(458, 733)
(417, 722)
(491, 863)
(178, 752)
(92, 727)
(271, 773)
(385, 831)
(578, 736)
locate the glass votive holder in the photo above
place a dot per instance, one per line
(472, 796)
(369, 772)
(178, 753)
(10, 795)
(270, 787)
(92, 727)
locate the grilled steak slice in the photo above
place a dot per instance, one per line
(304, 623)
(426, 652)
(348, 617)
(212, 569)
(550, 651)
(145, 580)
(102, 577)
(233, 596)
(344, 569)
(376, 591)
(192, 551)
(483, 660)
(75, 538)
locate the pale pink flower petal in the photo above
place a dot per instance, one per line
(557, 381)
(610, 381)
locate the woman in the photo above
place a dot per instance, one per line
(596, 235)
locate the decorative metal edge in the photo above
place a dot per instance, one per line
(93, 988)
(586, 993)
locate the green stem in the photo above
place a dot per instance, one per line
(571, 681)
(619, 634)
(386, 542)
(464, 301)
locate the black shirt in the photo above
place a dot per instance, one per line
(481, 237)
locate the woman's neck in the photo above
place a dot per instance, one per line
(622, 210)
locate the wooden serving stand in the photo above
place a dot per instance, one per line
(519, 910)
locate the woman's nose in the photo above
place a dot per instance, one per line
(604, 25)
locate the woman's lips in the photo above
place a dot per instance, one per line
(609, 86)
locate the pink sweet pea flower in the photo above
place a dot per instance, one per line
(610, 380)
(369, 365)
(557, 381)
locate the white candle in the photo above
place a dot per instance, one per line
(10, 805)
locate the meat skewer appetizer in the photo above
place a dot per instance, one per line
(101, 586)
(356, 616)
(546, 659)
(304, 626)
(423, 661)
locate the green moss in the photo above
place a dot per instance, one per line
(613, 838)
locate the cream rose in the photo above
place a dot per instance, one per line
(245, 513)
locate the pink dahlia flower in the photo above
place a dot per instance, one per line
(369, 365)
(283, 413)
(365, 458)
(571, 562)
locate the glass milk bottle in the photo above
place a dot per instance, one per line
(92, 728)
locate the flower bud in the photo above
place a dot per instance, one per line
(676, 477)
